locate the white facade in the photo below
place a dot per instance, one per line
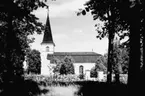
(86, 68)
(46, 68)
(101, 75)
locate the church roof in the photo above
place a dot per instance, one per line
(79, 57)
(47, 38)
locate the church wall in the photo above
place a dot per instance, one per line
(86, 67)
(44, 64)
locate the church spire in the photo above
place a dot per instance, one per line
(47, 38)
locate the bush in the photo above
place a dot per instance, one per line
(33, 62)
(82, 76)
(53, 80)
(94, 72)
(65, 66)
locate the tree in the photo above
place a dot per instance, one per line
(122, 56)
(65, 66)
(117, 67)
(108, 12)
(99, 66)
(57, 63)
(68, 63)
(15, 26)
(130, 13)
(93, 72)
(34, 62)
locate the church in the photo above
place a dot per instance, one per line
(83, 61)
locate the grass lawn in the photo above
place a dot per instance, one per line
(85, 88)
(55, 88)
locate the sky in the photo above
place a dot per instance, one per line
(71, 33)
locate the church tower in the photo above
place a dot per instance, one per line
(47, 42)
(47, 47)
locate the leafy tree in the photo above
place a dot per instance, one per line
(107, 11)
(68, 63)
(63, 69)
(117, 67)
(55, 60)
(34, 62)
(65, 66)
(15, 26)
(122, 56)
(128, 14)
(99, 66)
(93, 72)
(124, 59)
(57, 63)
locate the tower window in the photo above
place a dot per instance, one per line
(47, 49)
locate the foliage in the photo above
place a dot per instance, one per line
(33, 62)
(53, 80)
(65, 66)
(55, 60)
(15, 26)
(117, 67)
(57, 63)
(110, 12)
(68, 63)
(99, 66)
(93, 72)
(82, 76)
(122, 56)
(124, 60)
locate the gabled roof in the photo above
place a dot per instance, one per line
(79, 57)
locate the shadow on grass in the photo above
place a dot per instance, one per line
(22, 88)
(92, 88)
(86, 88)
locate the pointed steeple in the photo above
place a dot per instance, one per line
(47, 38)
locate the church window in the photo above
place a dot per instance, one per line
(81, 68)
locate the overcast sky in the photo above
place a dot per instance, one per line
(71, 33)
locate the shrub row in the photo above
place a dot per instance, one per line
(53, 80)
(63, 79)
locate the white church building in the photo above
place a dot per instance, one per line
(84, 61)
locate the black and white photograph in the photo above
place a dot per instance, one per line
(72, 47)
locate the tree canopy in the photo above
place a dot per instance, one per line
(120, 15)
(33, 60)
(65, 66)
(15, 26)
(99, 66)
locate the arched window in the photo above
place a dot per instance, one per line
(47, 49)
(81, 68)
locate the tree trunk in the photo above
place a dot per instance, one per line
(111, 33)
(117, 76)
(110, 52)
(134, 64)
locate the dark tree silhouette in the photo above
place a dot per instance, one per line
(16, 23)
(129, 15)
(64, 66)
(33, 60)
(107, 11)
